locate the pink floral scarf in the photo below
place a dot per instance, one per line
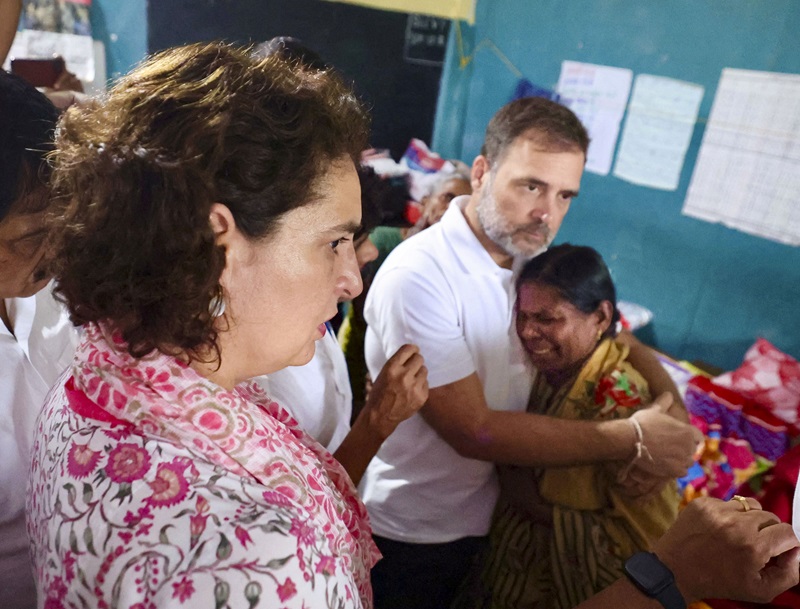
(239, 430)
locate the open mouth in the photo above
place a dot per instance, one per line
(538, 349)
(323, 327)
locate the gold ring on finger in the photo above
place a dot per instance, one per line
(743, 501)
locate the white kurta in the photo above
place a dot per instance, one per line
(31, 359)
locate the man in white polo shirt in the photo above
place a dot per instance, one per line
(431, 489)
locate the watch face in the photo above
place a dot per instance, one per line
(649, 572)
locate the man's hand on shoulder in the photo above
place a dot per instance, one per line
(664, 451)
(671, 444)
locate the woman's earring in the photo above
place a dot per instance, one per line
(599, 335)
(216, 307)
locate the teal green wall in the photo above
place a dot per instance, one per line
(122, 27)
(713, 290)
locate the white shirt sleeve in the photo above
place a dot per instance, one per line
(407, 306)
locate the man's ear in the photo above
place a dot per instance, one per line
(480, 172)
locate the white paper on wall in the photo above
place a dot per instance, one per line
(598, 95)
(77, 50)
(657, 131)
(747, 174)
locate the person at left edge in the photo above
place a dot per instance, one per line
(37, 339)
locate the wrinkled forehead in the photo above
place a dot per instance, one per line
(537, 139)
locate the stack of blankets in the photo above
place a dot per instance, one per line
(751, 421)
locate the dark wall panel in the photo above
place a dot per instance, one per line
(366, 45)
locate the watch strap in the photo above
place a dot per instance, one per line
(671, 598)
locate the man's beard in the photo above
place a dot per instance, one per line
(501, 231)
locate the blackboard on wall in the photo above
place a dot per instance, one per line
(368, 46)
(426, 40)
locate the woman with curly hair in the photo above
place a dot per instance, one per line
(204, 236)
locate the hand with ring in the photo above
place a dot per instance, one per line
(720, 549)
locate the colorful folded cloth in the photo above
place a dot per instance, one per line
(742, 440)
(750, 417)
(769, 378)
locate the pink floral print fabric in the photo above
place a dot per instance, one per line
(153, 487)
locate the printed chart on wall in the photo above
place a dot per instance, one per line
(598, 95)
(661, 118)
(747, 174)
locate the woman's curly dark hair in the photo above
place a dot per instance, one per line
(137, 173)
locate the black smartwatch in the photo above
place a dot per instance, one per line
(653, 578)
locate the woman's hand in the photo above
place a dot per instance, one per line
(400, 390)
